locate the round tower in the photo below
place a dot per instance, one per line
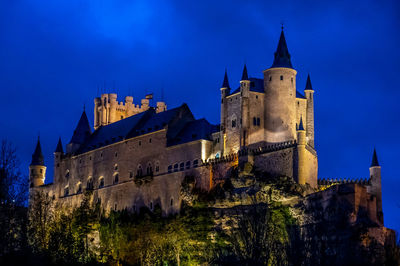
(280, 96)
(245, 108)
(97, 114)
(309, 93)
(37, 169)
(301, 154)
(113, 108)
(225, 91)
(376, 185)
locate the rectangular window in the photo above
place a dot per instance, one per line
(195, 163)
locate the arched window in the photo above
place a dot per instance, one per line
(116, 178)
(182, 167)
(157, 167)
(195, 163)
(101, 182)
(176, 167)
(89, 183)
(149, 169)
(79, 188)
(139, 171)
(169, 168)
(188, 165)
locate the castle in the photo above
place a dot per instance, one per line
(138, 155)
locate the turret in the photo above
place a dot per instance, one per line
(97, 112)
(37, 169)
(81, 133)
(161, 107)
(301, 154)
(309, 93)
(280, 96)
(113, 108)
(245, 115)
(376, 185)
(225, 91)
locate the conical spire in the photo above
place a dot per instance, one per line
(282, 56)
(244, 74)
(59, 147)
(374, 159)
(225, 84)
(82, 130)
(308, 84)
(301, 127)
(37, 156)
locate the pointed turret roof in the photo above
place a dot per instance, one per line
(244, 74)
(308, 84)
(374, 159)
(59, 147)
(301, 127)
(82, 130)
(37, 156)
(225, 84)
(282, 56)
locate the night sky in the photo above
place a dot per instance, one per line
(56, 56)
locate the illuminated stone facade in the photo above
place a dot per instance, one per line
(139, 155)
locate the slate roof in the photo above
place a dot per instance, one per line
(37, 156)
(244, 74)
(195, 130)
(225, 83)
(59, 147)
(374, 159)
(282, 56)
(82, 130)
(179, 122)
(299, 95)
(308, 84)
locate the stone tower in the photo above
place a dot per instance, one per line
(376, 184)
(280, 96)
(309, 94)
(301, 154)
(225, 91)
(37, 169)
(58, 156)
(244, 107)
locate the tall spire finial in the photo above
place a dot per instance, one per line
(374, 159)
(301, 127)
(308, 84)
(225, 84)
(244, 74)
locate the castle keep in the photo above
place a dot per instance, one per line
(138, 155)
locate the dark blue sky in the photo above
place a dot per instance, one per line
(55, 54)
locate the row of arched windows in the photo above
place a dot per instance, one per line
(182, 166)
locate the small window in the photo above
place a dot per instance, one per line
(233, 122)
(258, 121)
(150, 140)
(116, 178)
(291, 80)
(89, 184)
(115, 206)
(139, 172)
(254, 121)
(101, 154)
(157, 167)
(281, 77)
(41, 171)
(140, 143)
(79, 189)
(256, 96)
(116, 154)
(176, 167)
(122, 117)
(80, 160)
(90, 158)
(151, 205)
(195, 163)
(270, 78)
(188, 165)
(172, 202)
(101, 182)
(149, 169)
(182, 167)
(169, 168)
